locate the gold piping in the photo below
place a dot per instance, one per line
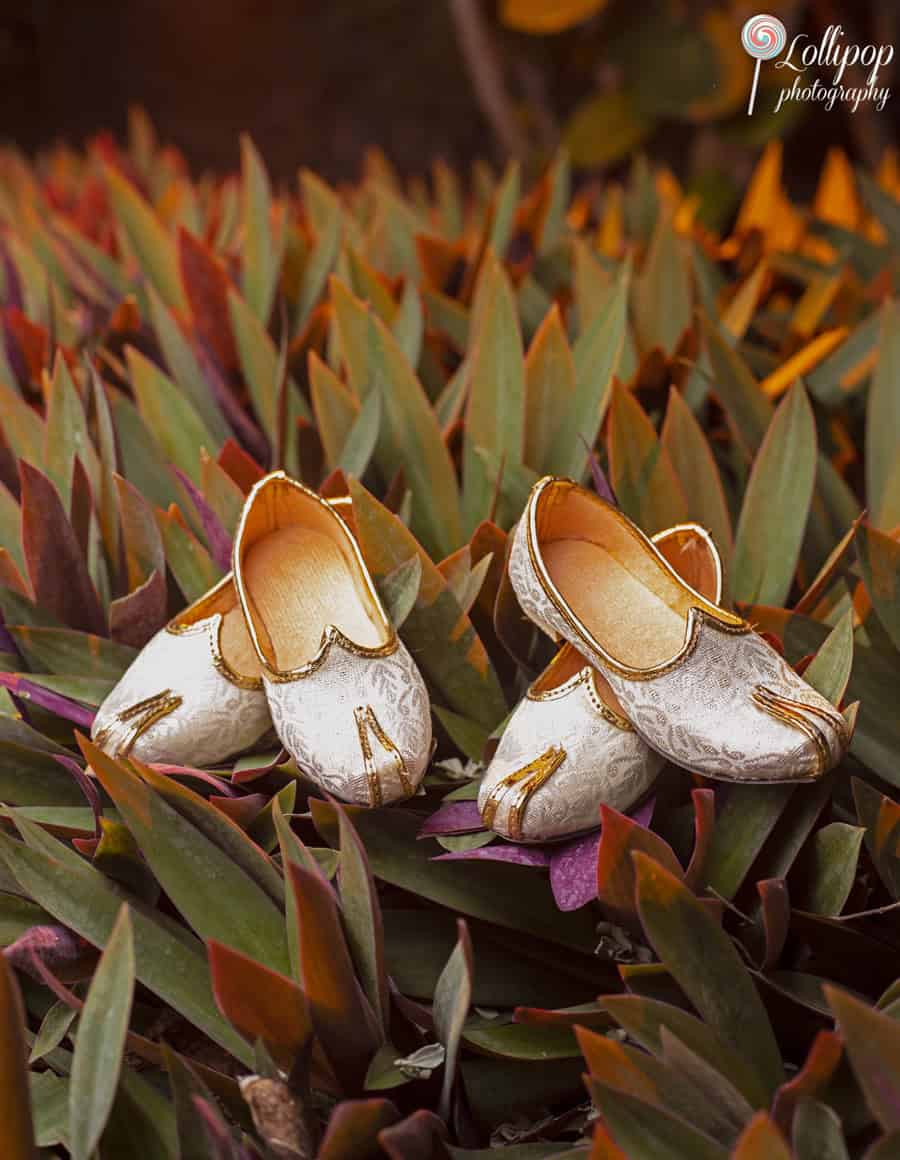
(523, 783)
(701, 533)
(785, 712)
(587, 677)
(331, 633)
(365, 718)
(705, 612)
(830, 717)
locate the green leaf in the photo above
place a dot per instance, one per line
(53, 1030)
(335, 407)
(184, 368)
(146, 236)
(410, 436)
(817, 1133)
(662, 291)
(605, 128)
(452, 997)
(549, 388)
(362, 918)
(704, 962)
(436, 631)
(100, 1042)
(883, 425)
(262, 250)
(495, 413)
(399, 590)
(742, 828)
(362, 437)
(215, 895)
(641, 473)
(879, 559)
(645, 1019)
(829, 670)
(776, 505)
(872, 1040)
(596, 355)
(259, 361)
(646, 1132)
(503, 210)
(170, 415)
(66, 433)
(489, 891)
(749, 411)
(829, 868)
(63, 650)
(168, 960)
(692, 460)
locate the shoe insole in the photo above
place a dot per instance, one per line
(567, 662)
(636, 624)
(298, 581)
(236, 646)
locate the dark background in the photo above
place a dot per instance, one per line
(314, 83)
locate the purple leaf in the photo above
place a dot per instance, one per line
(135, 618)
(453, 818)
(573, 866)
(56, 703)
(507, 852)
(53, 944)
(573, 872)
(87, 786)
(197, 774)
(601, 483)
(217, 538)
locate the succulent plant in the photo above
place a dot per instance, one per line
(222, 963)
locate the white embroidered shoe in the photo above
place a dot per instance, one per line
(695, 681)
(568, 747)
(194, 694)
(346, 698)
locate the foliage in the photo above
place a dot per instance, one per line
(218, 963)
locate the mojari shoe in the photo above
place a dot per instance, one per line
(346, 698)
(568, 748)
(194, 694)
(695, 681)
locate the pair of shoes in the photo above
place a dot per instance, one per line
(295, 637)
(652, 670)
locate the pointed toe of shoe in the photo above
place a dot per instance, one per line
(560, 759)
(358, 726)
(174, 705)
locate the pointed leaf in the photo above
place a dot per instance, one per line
(16, 1132)
(704, 962)
(776, 505)
(100, 1043)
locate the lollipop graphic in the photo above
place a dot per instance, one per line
(763, 38)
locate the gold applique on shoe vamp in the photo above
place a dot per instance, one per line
(522, 784)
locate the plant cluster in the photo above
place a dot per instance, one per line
(220, 963)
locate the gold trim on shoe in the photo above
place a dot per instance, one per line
(188, 622)
(704, 611)
(786, 711)
(365, 718)
(523, 783)
(587, 677)
(331, 634)
(147, 712)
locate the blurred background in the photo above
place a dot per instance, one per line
(316, 83)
